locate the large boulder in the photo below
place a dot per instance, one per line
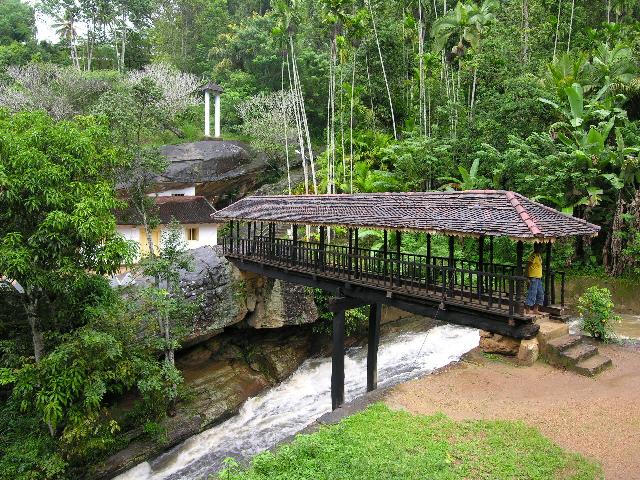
(228, 297)
(218, 168)
(278, 303)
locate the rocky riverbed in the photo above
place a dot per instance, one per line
(220, 375)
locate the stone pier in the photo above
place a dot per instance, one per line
(525, 351)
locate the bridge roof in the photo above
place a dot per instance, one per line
(467, 213)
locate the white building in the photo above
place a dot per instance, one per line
(191, 211)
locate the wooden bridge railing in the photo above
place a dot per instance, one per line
(496, 288)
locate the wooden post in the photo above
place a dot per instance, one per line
(452, 262)
(357, 249)
(337, 361)
(519, 270)
(398, 255)
(491, 252)
(255, 227)
(547, 275)
(321, 256)
(480, 265)
(272, 239)
(375, 314)
(428, 272)
(350, 254)
(294, 243)
(491, 266)
(231, 236)
(249, 242)
(385, 249)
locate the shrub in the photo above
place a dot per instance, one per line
(596, 311)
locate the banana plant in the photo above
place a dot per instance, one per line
(592, 198)
(469, 179)
(368, 180)
(626, 162)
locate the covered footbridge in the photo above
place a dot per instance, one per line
(315, 240)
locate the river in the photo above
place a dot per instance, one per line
(280, 412)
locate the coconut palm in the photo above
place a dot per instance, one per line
(384, 72)
(466, 23)
(65, 28)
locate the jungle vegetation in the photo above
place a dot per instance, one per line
(537, 96)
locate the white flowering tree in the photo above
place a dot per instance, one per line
(269, 119)
(60, 91)
(178, 89)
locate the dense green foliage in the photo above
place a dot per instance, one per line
(380, 443)
(73, 345)
(597, 317)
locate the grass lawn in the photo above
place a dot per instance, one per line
(382, 444)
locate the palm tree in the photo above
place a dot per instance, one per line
(65, 27)
(286, 15)
(467, 23)
(384, 72)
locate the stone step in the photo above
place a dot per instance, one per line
(564, 342)
(593, 365)
(555, 310)
(579, 352)
(550, 329)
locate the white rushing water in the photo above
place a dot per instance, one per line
(269, 418)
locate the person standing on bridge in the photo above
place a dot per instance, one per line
(535, 295)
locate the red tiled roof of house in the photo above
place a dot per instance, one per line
(185, 209)
(466, 213)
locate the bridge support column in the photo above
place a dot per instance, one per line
(375, 314)
(337, 361)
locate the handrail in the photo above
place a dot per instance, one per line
(411, 273)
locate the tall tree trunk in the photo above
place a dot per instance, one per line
(353, 87)
(384, 72)
(421, 87)
(31, 308)
(573, 4)
(284, 122)
(123, 39)
(344, 157)
(555, 42)
(473, 92)
(525, 31)
(303, 113)
(116, 46)
(612, 252)
(301, 145)
(366, 58)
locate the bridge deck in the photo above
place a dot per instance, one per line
(491, 300)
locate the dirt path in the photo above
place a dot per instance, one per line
(599, 417)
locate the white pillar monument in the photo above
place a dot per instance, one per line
(216, 90)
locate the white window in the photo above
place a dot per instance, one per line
(193, 234)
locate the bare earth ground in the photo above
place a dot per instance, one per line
(598, 417)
